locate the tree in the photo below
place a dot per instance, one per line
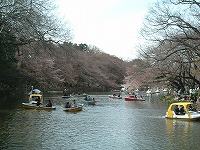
(23, 22)
(140, 74)
(172, 26)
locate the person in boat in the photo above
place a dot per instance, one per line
(38, 102)
(89, 98)
(93, 99)
(182, 111)
(191, 108)
(176, 110)
(85, 98)
(49, 104)
(67, 105)
(65, 92)
(73, 104)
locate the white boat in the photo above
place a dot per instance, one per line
(149, 91)
(157, 90)
(165, 90)
(137, 90)
(66, 96)
(115, 96)
(34, 91)
(188, 114)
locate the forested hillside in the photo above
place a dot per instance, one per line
(72, 66)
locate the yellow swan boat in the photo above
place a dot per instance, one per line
(33, 100)
(188, 112)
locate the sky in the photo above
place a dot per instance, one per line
(111, 25)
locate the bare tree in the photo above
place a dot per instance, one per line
(172, 26)
(23, 22)
(31, 20)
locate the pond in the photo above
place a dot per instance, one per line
(112, 124)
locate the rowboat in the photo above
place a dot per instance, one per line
(80, 95)
(34, 106)
(115, 97)
(91, 102)
(134, 98)
(74, 109)
(35, 102)
(188, 113)
(66, 96)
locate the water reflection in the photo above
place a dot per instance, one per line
(182, 133)
(174, 125)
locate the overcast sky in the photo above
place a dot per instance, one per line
(111, 25)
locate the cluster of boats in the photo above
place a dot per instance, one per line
(157, 91)
(135, 97)
(174, 111)
(128, 97)
(189, 111)
(36, 102)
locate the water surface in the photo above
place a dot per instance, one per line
(112, 124)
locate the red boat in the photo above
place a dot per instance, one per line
(134, 98)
